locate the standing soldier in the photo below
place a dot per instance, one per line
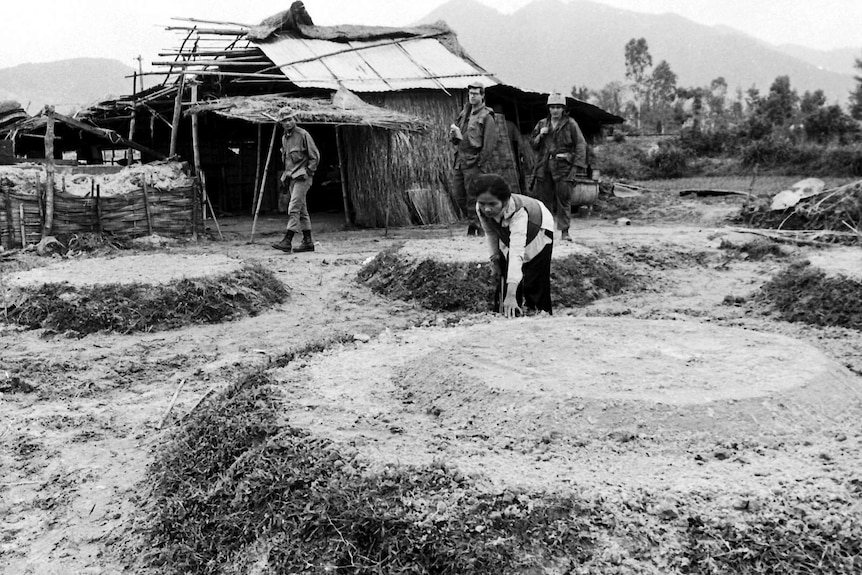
(474, 135)
(561, 157)
(301, 158)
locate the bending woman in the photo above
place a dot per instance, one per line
(520, 235)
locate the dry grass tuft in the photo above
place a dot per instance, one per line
(128, 308)
(576, 280)
(802, 293)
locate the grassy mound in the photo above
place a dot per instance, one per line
(128, 308)
(233, 493)
(805, 294)
(461, 286)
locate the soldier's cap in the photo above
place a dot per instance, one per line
(286, 113)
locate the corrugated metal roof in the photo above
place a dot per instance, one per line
(375, 66)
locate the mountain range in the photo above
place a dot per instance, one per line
(546, 45)
(550, 45)
(66, 84)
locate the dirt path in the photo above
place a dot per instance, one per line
(84, 416)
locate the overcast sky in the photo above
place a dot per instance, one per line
(48, 30)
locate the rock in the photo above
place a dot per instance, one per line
(363, 337)
(623, 222)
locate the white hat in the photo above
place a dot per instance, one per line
(556, 99)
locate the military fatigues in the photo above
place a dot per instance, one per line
(561, 156)
(472, 156)
(301, 158)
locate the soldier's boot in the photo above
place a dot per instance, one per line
(307, 244)
(285, 244)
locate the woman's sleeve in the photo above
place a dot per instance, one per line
(517, 245)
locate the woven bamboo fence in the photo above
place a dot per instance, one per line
(169, 212)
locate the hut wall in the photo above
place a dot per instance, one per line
(400, 178)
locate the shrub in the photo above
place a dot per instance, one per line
(708, 143)
(669, 161)
(620, 161)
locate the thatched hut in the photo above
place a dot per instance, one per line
(386, 162)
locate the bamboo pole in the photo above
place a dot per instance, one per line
(219, 22)
(48, 222)
(263, 181)
(257, 167)
(178, 103)
(147, 209)
(232, 62)
(339, 145)
(132, 121)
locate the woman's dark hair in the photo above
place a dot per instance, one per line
(494, 184)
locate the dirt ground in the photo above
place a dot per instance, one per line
(667, 390)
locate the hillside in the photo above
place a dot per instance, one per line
(66, 84)
(840, 60)
(582, 43)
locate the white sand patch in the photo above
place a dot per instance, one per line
(146, 269)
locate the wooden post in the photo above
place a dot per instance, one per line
(10, 225)
(257, 167)
(195, 209)
(263, 181)
(147, 208)
(210, 204)
(196, 150)
(342, 168)
(98, 208)
(23, 229)
(129, 154)
(48, 222)
(178, 106)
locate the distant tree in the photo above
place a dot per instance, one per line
(737, 107)
(660, 96)
(610, 98)
(717, 98)
(856, 95)
(638, 62)
(756, 125)
(811, 102)
(583, 93)
(753, 100)
(780, 104)
(827, 123)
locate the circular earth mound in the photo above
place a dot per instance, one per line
(565, 400)
(594, 376)
(153, 269)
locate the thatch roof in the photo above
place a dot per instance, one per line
(344, 108)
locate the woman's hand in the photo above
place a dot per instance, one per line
(511, 309)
